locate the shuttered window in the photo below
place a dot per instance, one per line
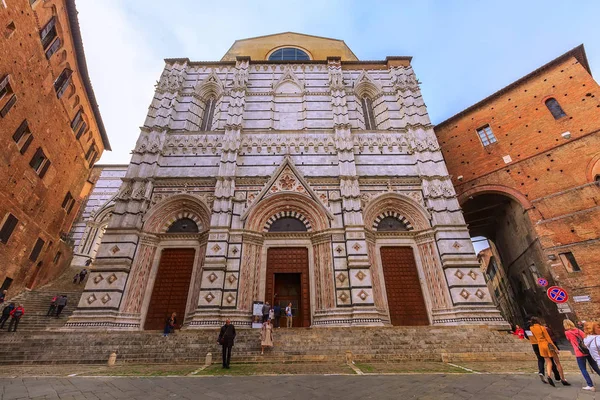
(23, 137)
(37, 249)
(8, 226)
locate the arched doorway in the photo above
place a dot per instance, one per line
(515, 259)
(173, 279)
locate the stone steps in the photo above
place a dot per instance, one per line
(291, 345)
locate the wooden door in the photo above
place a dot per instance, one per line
(171, 287)
(290, 260)
(403, 287)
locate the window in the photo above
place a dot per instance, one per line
(68, 202)
(7, 97)
(49, 37)
(367, 108)
(209, 110)
(92, 154)
(288, 53)
(486, 135)
(555, 108)
(23, 137)
(569, 262)
(37, 249)
(8, 226)
(62, 82)
(40, 162)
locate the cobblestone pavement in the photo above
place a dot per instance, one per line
(414, 386)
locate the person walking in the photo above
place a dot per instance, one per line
(52, 308)
(226, 339)
(16, 315)
(592, 340)
(6, 314)
(61, 303)
(266, 336)
(170, 324)
(265, 311)
(288, 315)
(582, 353)
(82, 275)
(548, 350)
(277, 312)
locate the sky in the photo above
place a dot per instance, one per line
(462, 51)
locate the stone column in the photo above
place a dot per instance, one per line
(218, 294)
(355, 294)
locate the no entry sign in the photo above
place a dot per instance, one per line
(542, 282)
(557, 294)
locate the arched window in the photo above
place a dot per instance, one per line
(288, 53)
(209, 110)
(555, 108)
(367, 107)
(288, 224)
(183, 225)
(391, 224)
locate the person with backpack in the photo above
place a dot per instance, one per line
(52, 308)
(16, 315)
(61, 303)
(6, 314)
(582, 353)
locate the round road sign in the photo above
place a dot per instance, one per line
(557, 294)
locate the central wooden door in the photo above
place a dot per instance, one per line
(403, 287)
(287, 271)
(171, 287)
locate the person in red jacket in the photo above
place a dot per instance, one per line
(16, 315)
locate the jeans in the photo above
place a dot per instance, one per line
(542, 363)
(582, 367)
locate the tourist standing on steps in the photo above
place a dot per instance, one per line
(576, 337)
(266, 336)
(16, 315)
(6, 314)
(52, 308)
(592, 340)
(226, 338)
(277, 312)
(288, 315)
(3, 296)
(61, 303)
(548, 350)
(170, 324)
(82, 275)
(265, 311)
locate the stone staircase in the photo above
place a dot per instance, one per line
(390, 344)
(36, 303)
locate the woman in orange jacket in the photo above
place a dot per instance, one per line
(548, 350)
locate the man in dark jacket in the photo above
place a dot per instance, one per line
(226, 338)
(6, 314)
(16, 315)
(61, 303)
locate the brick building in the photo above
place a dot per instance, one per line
(51, 133)
(525, 163)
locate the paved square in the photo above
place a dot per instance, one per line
(416, 386)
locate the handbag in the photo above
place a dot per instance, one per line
(581, 346)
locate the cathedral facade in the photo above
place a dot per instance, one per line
(288, 172)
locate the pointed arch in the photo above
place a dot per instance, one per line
(163, 214)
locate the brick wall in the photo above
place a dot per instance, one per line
(549, 175)
(36, 200)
